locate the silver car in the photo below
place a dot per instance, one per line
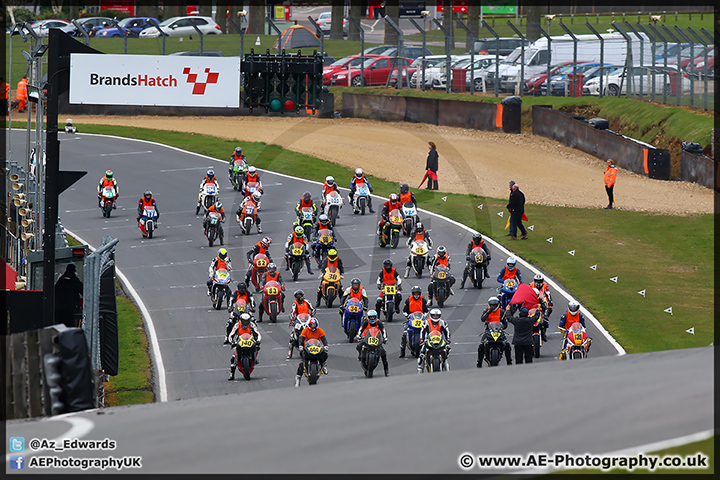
(181, 26)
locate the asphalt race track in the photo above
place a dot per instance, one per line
(169, 271)
(410, 423)
(606, 403)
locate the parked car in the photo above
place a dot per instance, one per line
(483, 65)
(481, 62)
(616, 83)
(42, 27)
(343, 64)
(430, 62)
(183, 26)
(532, 84)
(407, 51)
(376, 72)
(685, 59)
(559, 78)
(503, 45)
(132, 26)
(324, 20)
(438, 68)
(699, 67)
(90, 24)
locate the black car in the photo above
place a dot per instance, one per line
(503, 45)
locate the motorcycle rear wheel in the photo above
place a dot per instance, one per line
(536, 346)
(494, 357)
(435, 365)
(441, 297)
(245, 361)
(295, 270)
(313, 372)
(108, 209)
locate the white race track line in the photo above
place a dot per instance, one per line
(151, 328)
(79, 427)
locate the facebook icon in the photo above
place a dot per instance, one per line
(17, 462)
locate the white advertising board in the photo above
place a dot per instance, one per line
(154, 80)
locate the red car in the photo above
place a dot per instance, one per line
(343, 64)
(376, 72)
(532, 84)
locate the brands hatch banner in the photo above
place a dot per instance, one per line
(154, 80)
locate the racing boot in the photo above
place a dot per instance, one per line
(481, 354)
(287, 264)
(309, 268)
(421, 362)
(290, 350)
(259, 228)
(359, 350)
(297, 380)
(370, 208)
(324, 369)
(407, 271)
(232, 373)
(317, 301)
(222, 240)
(403, 342)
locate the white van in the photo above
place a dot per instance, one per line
(561, 51)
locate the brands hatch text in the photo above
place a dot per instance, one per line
(134, 81)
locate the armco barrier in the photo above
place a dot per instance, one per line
(700, 169)
(451, 113)
(626, 152)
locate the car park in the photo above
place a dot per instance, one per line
(430, 61)
(132, 26)
(559, 79)
(183, 26)
(343, 64)
(325, 19)
(406, 51)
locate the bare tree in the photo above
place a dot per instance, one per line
(355, 13)
(532, 15)
(336, 26)
(56, 6)
(447, 22)
(473, 23)
(256, 17)
(392, 10)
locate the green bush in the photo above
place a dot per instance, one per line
(23, 15)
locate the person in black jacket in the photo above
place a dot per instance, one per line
(68, 297)
(432, 167)
(516, 206)
(522, 336)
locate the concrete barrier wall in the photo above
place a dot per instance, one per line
(452, 113)
(574, 132)
(699, 169)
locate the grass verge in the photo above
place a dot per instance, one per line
(669, 257)
(690, 450)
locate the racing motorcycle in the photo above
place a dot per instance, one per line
(108, 200)
(208, 196)
(147, 221)
(237, 309)
(237, 173)
(297, 326)
(311, 364)
(296, 259)
(306, 219)
(412, 332)
(333, 204)
(259, 269)
(352, 318)
(272, 300)
(495, 345)
(418, 256)
(247, 218)
(388, 301)
(506, 292)
(475, 265)
(576, 343)
(212, 230)
(390, 234)
(441, 284)
(330, 285)
(370, 353)
(220, 288)
(361, 199)
(436, 352)
(244, 354)
(325, 242)
(410, 218)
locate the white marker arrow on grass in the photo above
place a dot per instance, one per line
(500, 214)
(444, 199)
(593, 267)
(549, 239)
(668, 310)
(642, 292)
(531, 227)
(691, 330)
(480, 206)
(572, 252)
(614, 279)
